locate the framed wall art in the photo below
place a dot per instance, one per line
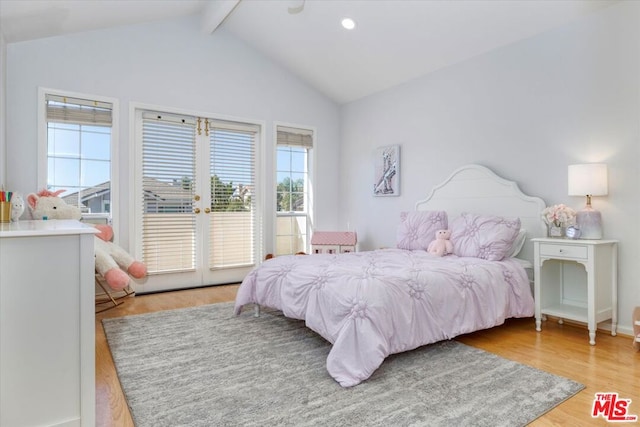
(387, 171)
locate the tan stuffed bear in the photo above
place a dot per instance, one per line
(111, 259)
(442, 245)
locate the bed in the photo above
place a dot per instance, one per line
(372, 304)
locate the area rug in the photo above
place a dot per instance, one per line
(203, 366)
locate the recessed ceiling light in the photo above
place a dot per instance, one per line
(296, 7)
(348, 23)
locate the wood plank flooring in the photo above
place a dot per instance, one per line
(610, 366)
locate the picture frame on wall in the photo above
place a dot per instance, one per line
(387, 171)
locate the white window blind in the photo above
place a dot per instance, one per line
(233, 209)
(169, 172)
(63, 109)
(294, 137)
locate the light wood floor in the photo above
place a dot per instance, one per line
(610, 366)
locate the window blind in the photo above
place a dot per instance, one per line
(294, 137)
(63, 109)
(168, 165)
(233, 209)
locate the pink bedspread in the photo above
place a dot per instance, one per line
(373, 304)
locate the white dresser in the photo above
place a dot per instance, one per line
(47, 324)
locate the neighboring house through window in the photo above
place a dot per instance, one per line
(293, 201)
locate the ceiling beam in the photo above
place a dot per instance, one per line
(215, 12)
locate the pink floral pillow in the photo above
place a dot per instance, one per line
(418, 228)
(483, 236)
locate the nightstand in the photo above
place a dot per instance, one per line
(562, 290)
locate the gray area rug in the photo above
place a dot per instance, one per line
(203, 366)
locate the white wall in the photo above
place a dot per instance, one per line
(527, 110)
(166, 64)
(3, 97)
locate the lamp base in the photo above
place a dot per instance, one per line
(589, 221)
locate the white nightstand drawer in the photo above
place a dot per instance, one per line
(563, 251)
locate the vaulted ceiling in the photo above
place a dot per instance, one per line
(394, 41)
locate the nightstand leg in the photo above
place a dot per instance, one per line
(592, 337)
(560, 321)
(538, 324)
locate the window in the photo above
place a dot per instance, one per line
(79, 141)
(293, 216)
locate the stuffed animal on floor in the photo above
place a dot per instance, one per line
(442, 245)
(111, 259)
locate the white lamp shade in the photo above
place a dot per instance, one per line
(588, 180)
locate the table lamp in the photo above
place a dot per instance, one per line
(588, 180)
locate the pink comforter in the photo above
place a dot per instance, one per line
(373, 304)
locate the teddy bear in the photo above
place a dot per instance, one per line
(110, 258)
(442, 245)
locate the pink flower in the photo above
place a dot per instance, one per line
(559, 215)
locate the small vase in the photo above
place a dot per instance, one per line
(556, 231)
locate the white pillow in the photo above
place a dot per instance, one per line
(518, 244)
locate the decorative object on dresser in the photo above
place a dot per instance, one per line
(558, 218)
(588, 180)
(17, 207)
(5, 212)
(5, 205)
(565, 296)
(333, 242)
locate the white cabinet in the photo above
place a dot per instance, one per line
(576, 280)
(47, 324)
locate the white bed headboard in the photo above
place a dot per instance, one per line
(477, 189)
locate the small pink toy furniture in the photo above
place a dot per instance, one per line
(333, 242)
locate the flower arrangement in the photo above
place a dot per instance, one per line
(559, 215)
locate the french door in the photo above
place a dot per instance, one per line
(195, 200)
